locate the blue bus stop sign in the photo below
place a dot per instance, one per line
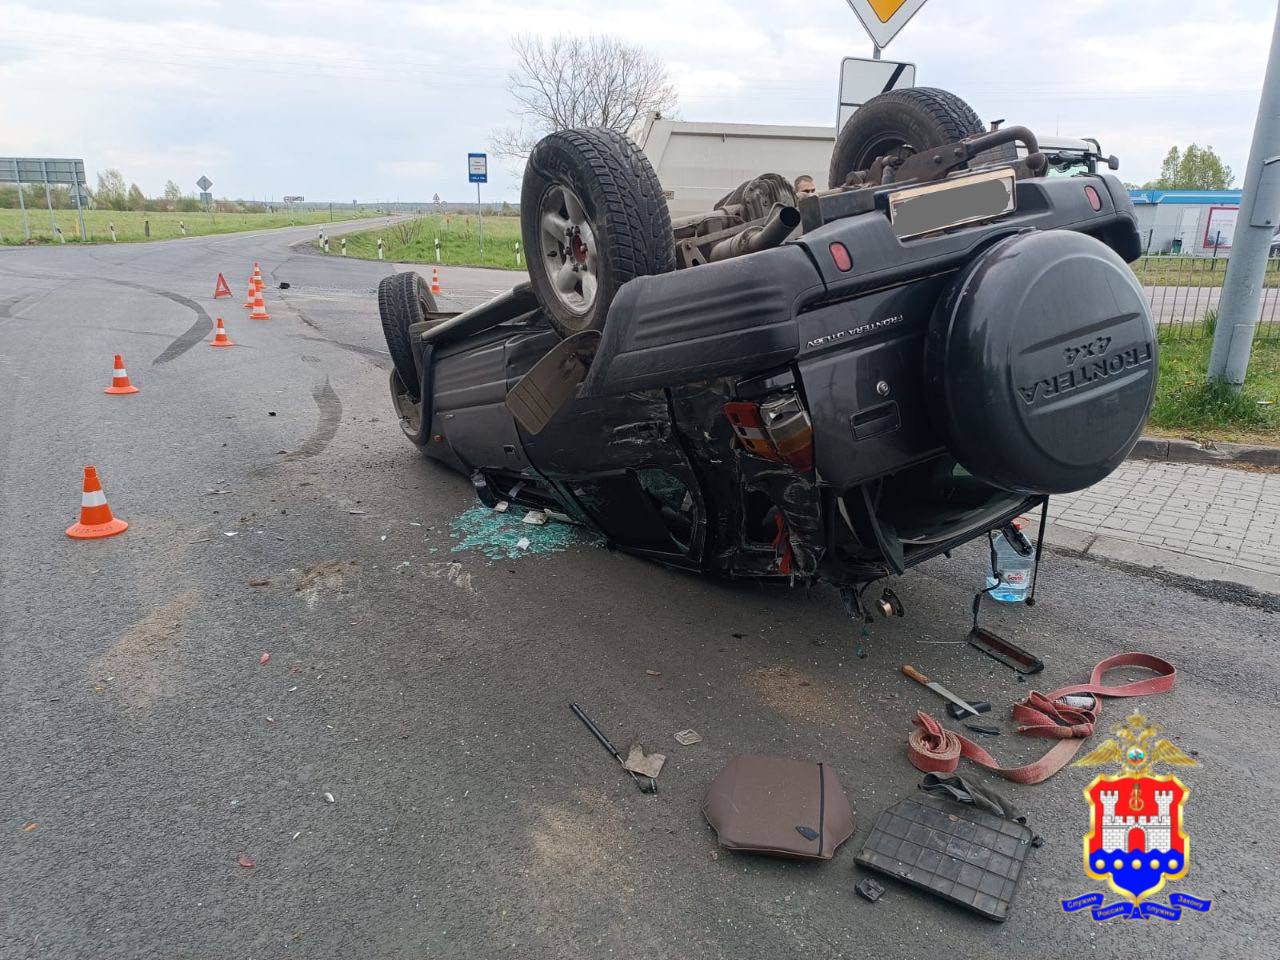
(478, 167)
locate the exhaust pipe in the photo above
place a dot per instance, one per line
(781, 221)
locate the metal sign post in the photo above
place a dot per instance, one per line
(22, 205)
(48, 199)
(206, 198)
(882, 19)
(478, 173)
(1259, 215)
(47, 171)
(77, 192)
(289, 202)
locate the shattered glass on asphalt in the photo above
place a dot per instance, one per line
(498, 535)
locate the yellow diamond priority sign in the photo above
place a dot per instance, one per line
(884, 18)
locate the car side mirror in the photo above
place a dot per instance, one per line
(1113, 162)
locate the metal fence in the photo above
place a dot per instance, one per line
(1184, 295)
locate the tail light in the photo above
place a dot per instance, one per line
(778, 430)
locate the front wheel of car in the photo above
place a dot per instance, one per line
(592, 217)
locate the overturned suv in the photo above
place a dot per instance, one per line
(835, 389)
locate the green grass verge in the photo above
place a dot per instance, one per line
(1193, 272)
(129, 224)
(1186, 406)
(413, 241)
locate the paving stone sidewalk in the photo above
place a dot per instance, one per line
(1214, 513)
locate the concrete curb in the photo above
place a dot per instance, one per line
(1219, 454)
(1165, 563)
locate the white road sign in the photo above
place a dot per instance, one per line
(861, 79)
(1220, 229)
(204, 183)
(884, 18)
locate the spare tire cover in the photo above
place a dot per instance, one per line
(1042, 363)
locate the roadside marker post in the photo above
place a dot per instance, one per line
(379, 248)
(344, 246)
(438, 260)
(112, 226)
(517, 253)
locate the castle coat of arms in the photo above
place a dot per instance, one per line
(1137, 839)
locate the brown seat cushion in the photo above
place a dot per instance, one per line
(776, 805)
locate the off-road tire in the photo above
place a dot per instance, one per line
(623, 201)
(404, 299)
(924, 117)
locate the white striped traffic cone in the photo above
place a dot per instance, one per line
(96, 519)
(259, 307)
(220, 338)
(120, 384)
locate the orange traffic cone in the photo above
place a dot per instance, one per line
(435, 282)
(220, 338)
(248, 297)
(120, 384)
(95, 516)
(220, 289)
(259, 307)
(257, 277)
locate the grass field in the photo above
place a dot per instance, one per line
(1193, 272)
(414, 241)
(1186, 407)
(129, 224)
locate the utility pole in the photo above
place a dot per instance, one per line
(1241, 302)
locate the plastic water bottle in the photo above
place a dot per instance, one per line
(1014, 568)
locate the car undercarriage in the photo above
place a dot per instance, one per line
(837, 388)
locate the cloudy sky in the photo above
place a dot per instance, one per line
(382, 100)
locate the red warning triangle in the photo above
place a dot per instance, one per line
(221, 289)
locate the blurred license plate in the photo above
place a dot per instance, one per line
(982, 196)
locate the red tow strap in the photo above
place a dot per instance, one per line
(934, 749)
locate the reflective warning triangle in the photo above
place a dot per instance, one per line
(221, 289)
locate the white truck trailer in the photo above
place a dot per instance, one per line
(698, 163)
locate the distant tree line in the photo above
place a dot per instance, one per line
(112, 194)
(1195, 168)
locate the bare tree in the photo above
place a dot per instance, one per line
(568, 81)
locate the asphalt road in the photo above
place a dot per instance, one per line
(146, 748)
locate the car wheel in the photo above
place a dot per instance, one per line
(404, 299)
(923, 117)
(592, 217)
